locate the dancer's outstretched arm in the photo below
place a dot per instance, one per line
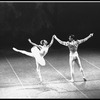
(85, 39)
(34, 44)
(52, 40)
(61, 42)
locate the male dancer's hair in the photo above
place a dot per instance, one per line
(72, 36)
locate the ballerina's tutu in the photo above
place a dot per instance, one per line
(36, 53)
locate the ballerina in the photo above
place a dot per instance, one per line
(38, 52)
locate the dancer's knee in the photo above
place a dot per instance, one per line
(38, 70)
(71, 68)
(72, 71)
(42, 63)
(81, 69)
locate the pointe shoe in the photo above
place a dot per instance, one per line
(40, 80)
(41, 83)
(71, 80)
(84, 79)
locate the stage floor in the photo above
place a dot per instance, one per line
(19, 79)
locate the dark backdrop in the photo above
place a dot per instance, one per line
(20, 21)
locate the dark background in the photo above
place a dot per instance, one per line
(20, 21)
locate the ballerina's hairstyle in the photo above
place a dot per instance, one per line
(42, 42)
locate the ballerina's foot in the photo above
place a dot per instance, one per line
(84, 79)
(71, 80)
(41, 83)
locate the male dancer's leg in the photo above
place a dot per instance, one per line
(80, 66)
(71, 63)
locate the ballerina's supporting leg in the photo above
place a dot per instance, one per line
(38, 71)
(40, 62)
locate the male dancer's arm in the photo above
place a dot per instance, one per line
(85, 39)
(61, 42)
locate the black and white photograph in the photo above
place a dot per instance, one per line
(49, 49)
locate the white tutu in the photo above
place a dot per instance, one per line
(36, 54)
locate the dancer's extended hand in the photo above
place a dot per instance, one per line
(29, 40)
(15, 49)
(91, 34)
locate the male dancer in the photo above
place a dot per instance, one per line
(38, 52)
(73, 56)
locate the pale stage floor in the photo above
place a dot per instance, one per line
(19, 79)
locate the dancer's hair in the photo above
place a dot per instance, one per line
(42, 42)
(72, 36)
